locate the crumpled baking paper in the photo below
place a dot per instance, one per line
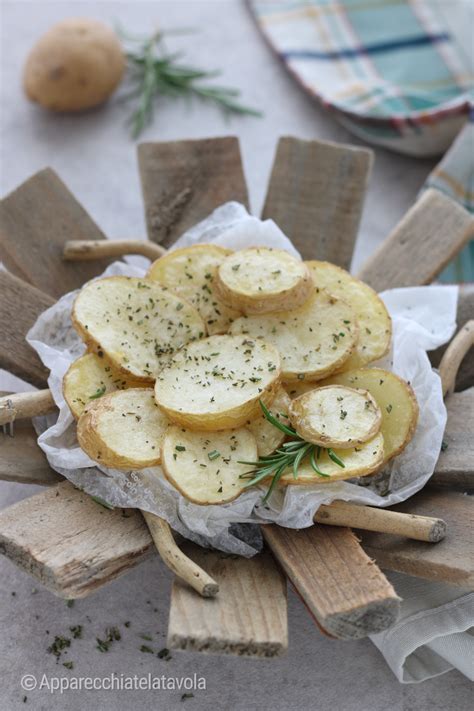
(423, 319)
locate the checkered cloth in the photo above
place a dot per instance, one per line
(389, 69)
(396, 73)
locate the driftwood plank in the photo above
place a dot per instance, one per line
(36, 220)
(455, 466)
(248, 617)
(343, 589)
(465, 313)
(432, 232)
(451, 560)
(184, 181)
(73, 560)
(316, 194)
(20, 306)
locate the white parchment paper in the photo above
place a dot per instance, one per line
(423, 319)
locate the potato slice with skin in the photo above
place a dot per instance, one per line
(190, 272)
(363, 460)
(91, 376)
(313, 340)
(375, 324)
(137, 323)
(336, 416)
(261, 279)
(396, 400)
(204, 466)
(123, 430)
(267, 435)
(216, 383)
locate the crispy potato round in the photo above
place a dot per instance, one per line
(137, 323)
(363, 460)
(396, 400)
(190, 272)
(261, 279)
(336, 416)
(90, 377)
(204, 466)
(216, 383)
(375, 324)
(269, 437)
(77, 64)
(123, 430)
(313, 340)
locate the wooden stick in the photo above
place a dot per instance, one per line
(453, 357)
(87, 250)
(418, 528)
(176, 560)
(25, 405)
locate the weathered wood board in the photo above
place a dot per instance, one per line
(342, 588)
(184, 181)
(455, 466)
(20, 306)
(451, 560)
(72, 560)
(36, 220)
(316, 194)
(432, 232)
(248, 617)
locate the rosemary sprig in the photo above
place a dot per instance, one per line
(153, 72)
(289, 455)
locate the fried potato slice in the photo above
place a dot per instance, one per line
(375, 324)
(90, 377)
(190, 272)
(363, 460)
(313, 340)
(269, 437)
(261, 279)
(396, 400)
(123, 430)
(137, 323)
(216, 383)
(336, 416)
(204, 466)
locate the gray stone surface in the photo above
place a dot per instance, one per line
(95, 156)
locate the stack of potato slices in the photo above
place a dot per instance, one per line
(232, 369)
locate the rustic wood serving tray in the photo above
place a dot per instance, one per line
(315, 194)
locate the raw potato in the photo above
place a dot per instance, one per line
(375, 324)
(204, 466)
(123, 430)
(137, 323)
(190, 272)
(361, 461)
(269, 437)
(90, 377)
(216, 383)
(336, 416)
(76, 65)
(314, 340)
(396, 400)
(261, 279)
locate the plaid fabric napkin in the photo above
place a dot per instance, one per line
(390, 70)
(396, 73)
